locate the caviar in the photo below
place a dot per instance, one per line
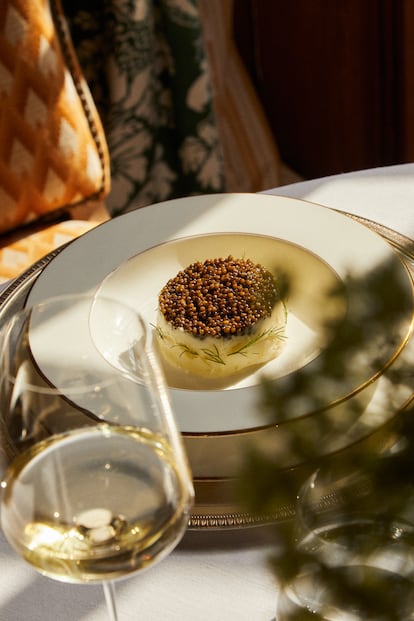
(220, 297)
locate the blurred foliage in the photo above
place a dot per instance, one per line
(379, 315)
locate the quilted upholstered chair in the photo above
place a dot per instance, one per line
(54, 161)
(154, 104)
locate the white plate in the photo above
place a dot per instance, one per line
(131, 256)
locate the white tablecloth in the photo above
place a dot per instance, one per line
(385, 195)
(211, 576)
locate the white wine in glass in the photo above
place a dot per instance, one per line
(96, 484)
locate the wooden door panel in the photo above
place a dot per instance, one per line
(333, 78)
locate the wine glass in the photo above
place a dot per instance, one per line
(95, 482)
(355, 550)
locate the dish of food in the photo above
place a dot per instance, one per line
(318, 250)
(299, 321)
(219, 317)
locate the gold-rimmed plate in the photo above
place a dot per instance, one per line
(113, 254)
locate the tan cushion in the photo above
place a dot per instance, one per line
(53, 151)
(18, 256)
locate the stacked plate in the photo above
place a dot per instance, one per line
(350, 299)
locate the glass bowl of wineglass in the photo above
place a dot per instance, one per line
(355, 549)
(95, 483)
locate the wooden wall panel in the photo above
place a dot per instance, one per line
(330, 76)
(407, 82)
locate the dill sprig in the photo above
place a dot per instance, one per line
(278, 332)
(213, 355)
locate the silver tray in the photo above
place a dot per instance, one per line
(216, 507)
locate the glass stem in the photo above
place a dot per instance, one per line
(109, 591)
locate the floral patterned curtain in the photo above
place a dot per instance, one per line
(147, 63)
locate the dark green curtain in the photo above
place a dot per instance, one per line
(145, 63)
